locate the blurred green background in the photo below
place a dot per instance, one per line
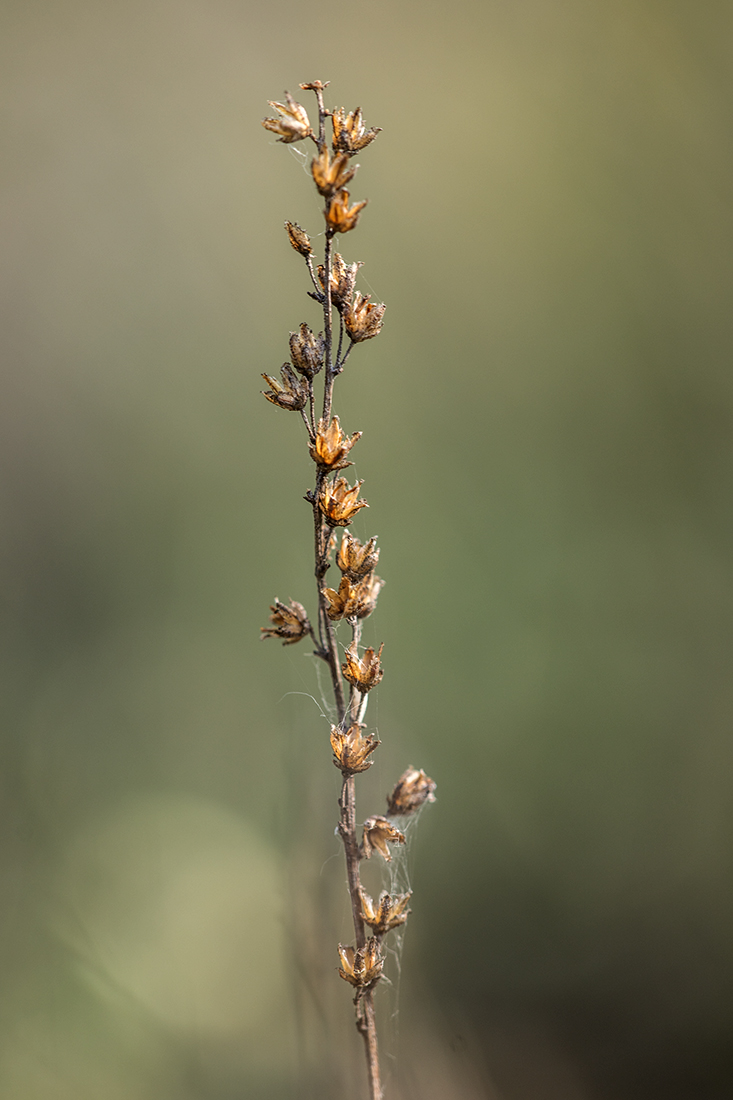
(547, 456)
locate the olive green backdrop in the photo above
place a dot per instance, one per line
(547, 457)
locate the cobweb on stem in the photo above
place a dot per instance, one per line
(404, 809)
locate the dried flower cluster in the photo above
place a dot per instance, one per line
(412, 791)
(289, 622)
(390, 912)
(349, 318)
(330, 447)
(377, 834)
(362, 967)
(351, 749)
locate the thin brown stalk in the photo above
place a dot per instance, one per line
(365, 1016)
(327, 330)
(355, 696)
(347, 829)
(367, 1025)
(335, 503)
(340, 365)
(326, 631)
(317, 289)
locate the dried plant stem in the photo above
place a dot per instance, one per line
(347, 830)
(327, 331)
(366, 1021)
(367, 1025)
(327, 637)
(334, 503)
(365, 1017)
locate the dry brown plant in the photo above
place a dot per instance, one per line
(349, 318)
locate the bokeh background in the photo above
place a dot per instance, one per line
(547, 454)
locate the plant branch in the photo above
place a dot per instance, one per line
(322, 115)
(334, 505)
(327, 331)
(316, 285)
(367, 1025)
(322, 536)
(364, 1001)
(340, 365)
(341, 340)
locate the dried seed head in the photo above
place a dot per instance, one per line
(363, 319)
(345, 275)
(290, 622)
(367, 592)
(315, 86)
(351, 749)
(357, 559)
(330, 446)
(349, 132)
(298, 238)
(363, 967)
(413, 789)
(338, 215)
(341, 604)
(389, 912)
(353, 600)
(292, 394)
(307, 351)
(378, 833)
(293, 125)
(331, 175)
(365, 672)
(338, 502)
(343, 281)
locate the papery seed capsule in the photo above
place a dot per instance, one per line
(363, 672)
(378, 833)
(339, 216)
(338, 502)
(389, 912)
(331, 445)
(351, 749)
(349, 133)
(299, 239)
(292, 394)
(307, 351)
(331, 175)
(364, 319)
(357, 559)
(343, 281)
(361, 967)
(293, 125)
(290, 622)
(412, 790)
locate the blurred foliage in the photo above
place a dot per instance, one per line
(547, 453)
